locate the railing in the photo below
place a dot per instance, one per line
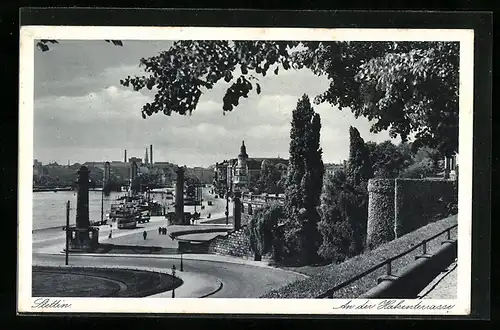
(261, 198)
(388, 263)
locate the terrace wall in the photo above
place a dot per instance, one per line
(399, 206)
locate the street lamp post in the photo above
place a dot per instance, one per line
(227, 206)
(102, 202)
(195, 196)
(173, 275)
(67, 232)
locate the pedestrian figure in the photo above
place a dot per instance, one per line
(144, 234)
(110, 234)
(165, 231)
(159, 230)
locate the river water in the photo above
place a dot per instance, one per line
(49, 208)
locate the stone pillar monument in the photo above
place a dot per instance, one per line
(237, 210)
(82, 202)
(83, 237)
(179, 196)
(107, 172)
(447, 167)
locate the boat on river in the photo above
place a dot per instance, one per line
(126, 218)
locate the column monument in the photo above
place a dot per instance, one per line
(237, 210)
(179, 196)
(83, 237)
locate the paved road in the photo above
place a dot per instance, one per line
(239, 281)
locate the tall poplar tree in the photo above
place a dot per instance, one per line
(354, 201)
(304, 182)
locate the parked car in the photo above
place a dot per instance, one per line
(210, 203)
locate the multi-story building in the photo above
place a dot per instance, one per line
(240, 173)
(37, 169)
(205, 175)
(330, 169)
(137, 160)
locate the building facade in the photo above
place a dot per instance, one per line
(331, 169)
(241, 173)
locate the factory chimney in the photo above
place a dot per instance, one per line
(151, 154)
(125, 156)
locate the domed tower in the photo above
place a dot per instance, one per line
(241, 176)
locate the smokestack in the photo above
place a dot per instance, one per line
(151, 154)
(125, 156)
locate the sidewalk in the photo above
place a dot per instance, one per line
(444, 286)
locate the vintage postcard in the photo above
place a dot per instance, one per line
(245, 170)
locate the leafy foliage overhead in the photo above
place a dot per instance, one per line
(408, 88)
(43, 44)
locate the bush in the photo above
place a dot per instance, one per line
(264, 232)
(421, 169)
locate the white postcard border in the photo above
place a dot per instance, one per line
(28, 34)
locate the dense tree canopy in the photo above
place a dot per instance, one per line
(272, 177)
(388, 159)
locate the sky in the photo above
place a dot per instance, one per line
(82, 113)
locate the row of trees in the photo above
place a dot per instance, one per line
(271, 179)
(294, 225)
(327, 220)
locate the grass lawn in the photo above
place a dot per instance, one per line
(99, 282)
(324, 277)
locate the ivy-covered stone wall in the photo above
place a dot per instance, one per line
(380, 226)
(421, 201)
(399, 206)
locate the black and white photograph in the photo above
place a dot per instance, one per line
(245, 170)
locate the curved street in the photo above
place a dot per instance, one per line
(240, 278)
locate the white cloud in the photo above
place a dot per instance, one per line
(108, 104)
(83, 113)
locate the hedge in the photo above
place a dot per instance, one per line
(336, 274)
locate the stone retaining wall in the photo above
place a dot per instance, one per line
(418, 202)
(399, 206)
(236, 244)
